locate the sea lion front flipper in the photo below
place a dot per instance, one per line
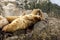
(11, 18)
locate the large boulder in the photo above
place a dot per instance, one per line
(49, 30)
(11, 10)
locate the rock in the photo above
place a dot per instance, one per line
(11, 10)
(12, 38)
(9, 0)
(47, 30)
(45, 15)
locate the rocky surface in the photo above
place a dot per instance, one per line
(15, 7)
(43, 30)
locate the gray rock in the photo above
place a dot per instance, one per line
(11, 10)
(47, 30)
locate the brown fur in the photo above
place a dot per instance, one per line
(3, 21)
(11, 18)
(24, 21)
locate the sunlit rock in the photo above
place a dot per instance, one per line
(11, 10)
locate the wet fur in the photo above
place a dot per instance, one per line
(11, 18)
